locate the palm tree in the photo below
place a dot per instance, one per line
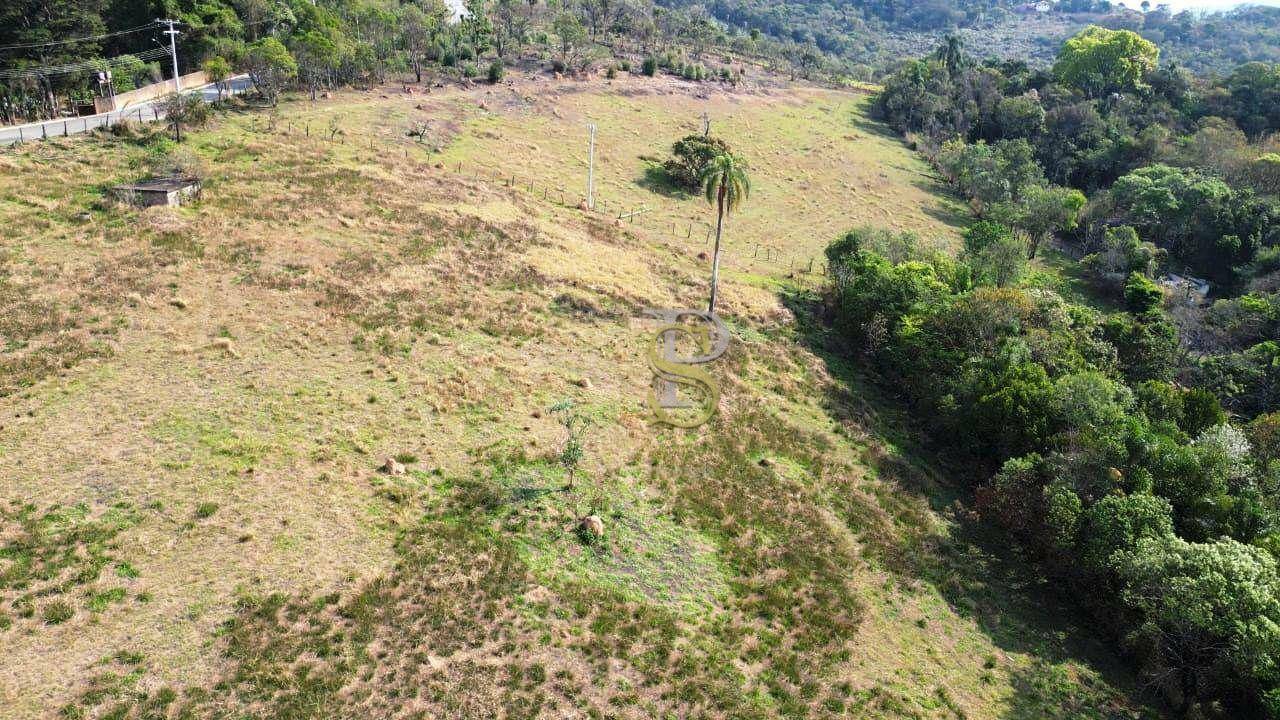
(726, 184)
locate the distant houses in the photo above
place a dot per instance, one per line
(1033, 8)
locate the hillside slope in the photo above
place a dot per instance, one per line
(195, 405)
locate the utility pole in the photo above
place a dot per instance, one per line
(173, 51)
(591, 170)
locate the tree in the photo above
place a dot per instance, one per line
(38, 22)
(1210, 613)
(1019, 117)
(951, 55)
(727, 186)
(1201, 410)
(1264, 433)
(1116, 524)
(600, 14)
(270, 67)
(1122, 253)
(316, 54)
(419, 29)
(996, 255)
(184, 109)
(217, 70)
(990, 174)
(1199, 218)
(572, 35)
(511, 22)
(1255, 97)
(1045, 210)
(690, 156)
(1100, 61)
(475, 25)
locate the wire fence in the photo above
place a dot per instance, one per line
(700, 234)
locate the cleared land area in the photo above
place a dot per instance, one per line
(195, 402)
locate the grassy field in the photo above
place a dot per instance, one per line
(195, 404)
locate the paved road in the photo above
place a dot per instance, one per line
(142, 112)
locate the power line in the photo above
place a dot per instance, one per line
(85, 65)
(24, 46)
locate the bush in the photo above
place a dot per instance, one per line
(650, 67)
(469, 70)
(611, 73)
(466, 52)
(625, 66)
(1141, 295)
(558, 65)
(496, 71)
(449, 59)
(57, 612)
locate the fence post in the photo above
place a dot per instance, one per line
(810, 269)
(64, 129)
(21, 139)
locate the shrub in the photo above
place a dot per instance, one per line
(1141, 295)
(57, 612)
(449, 59)
(1201, 410)
(466, 52)
(496, 71)
(469, 70)
(558, 65)
(650, 67)
(611, 73)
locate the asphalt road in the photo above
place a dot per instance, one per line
(142, 112)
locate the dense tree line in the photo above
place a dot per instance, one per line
(872, 34)
(1137, 491)
(1186, 162)
(324, 43)
(1135, 450)
(1181, 175)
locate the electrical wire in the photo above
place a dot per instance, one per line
(25, 46)
(96, 65)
